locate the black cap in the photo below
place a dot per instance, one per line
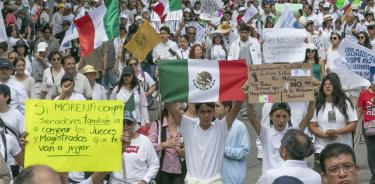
(287, 180)
(4, 63)
(67, 77)
(277, 106)
(66, 22)
(4, 45)
(5, 90)
(20, 42)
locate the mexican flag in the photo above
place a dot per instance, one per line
(165, 6)
(198, 80)
(98, 26)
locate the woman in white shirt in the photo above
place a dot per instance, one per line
(217, 51)
(26, 80)
(139, 156)
(335, 118)
(98, 91)
(52, 75)
(184, 50)
(127, 86)
(22, 49)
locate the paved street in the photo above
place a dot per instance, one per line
(254, 167)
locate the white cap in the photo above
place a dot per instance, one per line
(326, 5)
(68, 5)
(42, 47)
(138, 18)
(242, 8)
(124, 15)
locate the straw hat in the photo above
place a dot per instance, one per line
(327, 17)
(225, 27)
(61, 5)
(89, 69)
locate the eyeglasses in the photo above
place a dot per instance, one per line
(132, 64)
(335, 170)
(191, 33)
(56, 59)
(334, 38)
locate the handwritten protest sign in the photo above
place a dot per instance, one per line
(250, 13)
(280, 83)
(172, 20)
(284, 45)
(294, 7)
(358, 58)
(74, 135)
(348, 78)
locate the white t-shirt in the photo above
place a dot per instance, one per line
(14, 119)
(204, 149)
(99, 92)
(271, 141)
(141, 162)
(298, 112)
(335, 122)
(74, 96)
(13, 148)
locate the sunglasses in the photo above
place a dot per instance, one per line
(310, 50)
(133, 64)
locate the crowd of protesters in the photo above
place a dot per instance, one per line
(184, 142)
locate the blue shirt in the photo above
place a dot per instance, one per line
(237, 148)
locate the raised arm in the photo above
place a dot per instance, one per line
(177, 116)
(232, 114)
(310, 113)
(252, 118)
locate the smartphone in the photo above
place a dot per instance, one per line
(172, 52)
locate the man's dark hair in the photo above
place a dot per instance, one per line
(25, 177)
(5, 91)
(209, 104)
(66, 58)
(297, 144)
(244, 27)
(227, 104)
(335, 150)
(166, 29)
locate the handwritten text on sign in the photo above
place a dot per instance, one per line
(284, 45)
(74, 135)
(280, 83)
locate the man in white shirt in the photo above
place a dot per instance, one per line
(81, 83)
(295, 146)
(204, 141)
(18, 91)
(167, 49)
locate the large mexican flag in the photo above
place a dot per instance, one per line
(197, 80)
(98, 26)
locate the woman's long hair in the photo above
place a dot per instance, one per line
(316, 57)
(367, 40)
(134, 82)
(221, 43)
(192, 50)
(339, 97)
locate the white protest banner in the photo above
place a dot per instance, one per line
(284, 45)
(210, 6)
(200, 32)
(250, 12)
(318, 43)
(294, 7)
(287, 20)
(172, 20)
(358, 58)
(3, 33)
(348, 78)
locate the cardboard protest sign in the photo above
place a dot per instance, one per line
(280, 83)
(74, 135)
(284, 45)
(358, 58)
